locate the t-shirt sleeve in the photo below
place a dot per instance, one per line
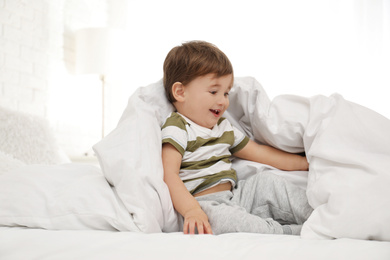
(240, 140)
(174, 132)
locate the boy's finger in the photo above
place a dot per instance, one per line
(185, 227)
(208, 228)
(200, 228)
(192, 228)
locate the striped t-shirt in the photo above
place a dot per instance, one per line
(206, 152)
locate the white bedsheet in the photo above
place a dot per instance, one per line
(21, 243)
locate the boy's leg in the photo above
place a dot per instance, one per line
(270, 196)
(226, 217)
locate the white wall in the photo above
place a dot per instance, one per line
(36, 63)
(301, 47)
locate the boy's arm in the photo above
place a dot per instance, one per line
(272, 156)
(182, 199)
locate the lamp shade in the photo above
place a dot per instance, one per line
(98, 50)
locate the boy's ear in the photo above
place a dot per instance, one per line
(178, 91)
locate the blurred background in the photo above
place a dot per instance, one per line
(301, 47)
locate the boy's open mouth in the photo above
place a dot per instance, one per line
(215, 111)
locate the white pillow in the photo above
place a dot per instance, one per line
(28, 138)
(8, 163)
(67, 196)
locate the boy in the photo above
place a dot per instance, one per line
(197, 143)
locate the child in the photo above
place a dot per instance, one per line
(197, 143)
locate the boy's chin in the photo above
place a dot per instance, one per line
(210, 125)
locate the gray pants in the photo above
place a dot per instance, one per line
(264, 203)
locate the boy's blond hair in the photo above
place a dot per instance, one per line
(192, 59)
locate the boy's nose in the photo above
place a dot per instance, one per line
(223, 101)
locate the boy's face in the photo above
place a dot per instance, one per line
(206, 98)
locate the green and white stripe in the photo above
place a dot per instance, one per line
(206, 152)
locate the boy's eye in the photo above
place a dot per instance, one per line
(227, 94)
(213, 92)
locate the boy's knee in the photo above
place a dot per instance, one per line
(271, 177)
(266, 181)
(221, 216)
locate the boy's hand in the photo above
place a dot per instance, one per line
(196, 218)
(305, 164)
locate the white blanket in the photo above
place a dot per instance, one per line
(347, 146)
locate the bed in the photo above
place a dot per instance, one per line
(55, 209)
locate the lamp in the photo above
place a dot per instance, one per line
(98, 51)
